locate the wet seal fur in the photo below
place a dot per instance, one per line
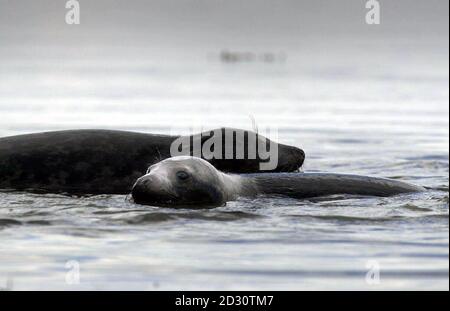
(193, 182)
(107, 162)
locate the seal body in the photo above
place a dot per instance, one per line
(188, 181)
(105, 161)
(308, 185)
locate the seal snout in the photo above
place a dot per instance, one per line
(298, 156)
(150, 189)
(291, 159)
(139, 190)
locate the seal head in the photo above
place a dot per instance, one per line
(182, 181)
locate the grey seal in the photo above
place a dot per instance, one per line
(108, 162)
(190, 181)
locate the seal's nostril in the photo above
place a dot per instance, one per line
(138, 192)
(141, 189)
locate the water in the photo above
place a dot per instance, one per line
(371, 107)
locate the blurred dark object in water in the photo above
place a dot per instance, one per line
(251, 57)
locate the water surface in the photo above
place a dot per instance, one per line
(361, 106)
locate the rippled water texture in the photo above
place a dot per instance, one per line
(367, 106)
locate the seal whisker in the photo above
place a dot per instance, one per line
(254, 124)
(129, 198)
(159, 154)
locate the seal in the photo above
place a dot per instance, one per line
(190, 181)
(85, 162)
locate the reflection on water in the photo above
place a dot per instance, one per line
(284, 243)
(387, 117)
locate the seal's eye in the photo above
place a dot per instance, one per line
(182, 175)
